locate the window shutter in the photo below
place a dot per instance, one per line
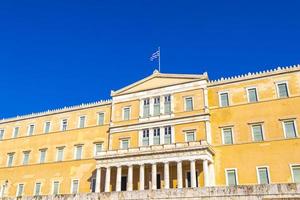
(257, 133)
(290, 130)
(252, 95)
(224, 100)
(227, 136)
(231, 178)
(296, 174)
(282, 90)
(263, 176)
(101, 119)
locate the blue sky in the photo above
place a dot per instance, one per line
(59, 53)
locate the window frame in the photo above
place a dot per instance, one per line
(29, 129)
(76, 147)
(42, 150)
(3, 132)
(14, 129)
(291, 169)
(295, 127)
(98, 118)
(71, 191)
(166, 97)
(287, 88)
(95, 147)
(190, 132)
(121, 143)
(185, 103)
(236, 175)
(62, 124)
(248, 96)
(34, 189)
(12, 161)
(220, 99)
(262, 129)
(18, 188)
(23, 160)
(45, 125)
(57, 150)
(123, 113)
(84, 122)
(258, 177)
(232, 134)
(58, 188)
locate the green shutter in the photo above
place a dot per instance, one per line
(263, 176)
(231, 176)
(296, 174)
(227, 134)
(282, 90)
(257, 132)
(252, 95)
(290, 130)
(224, 100)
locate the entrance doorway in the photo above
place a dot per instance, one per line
(123, 183)
(158, 181)
(188, 182)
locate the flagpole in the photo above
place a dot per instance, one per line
(159, 59)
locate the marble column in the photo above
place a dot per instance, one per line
(154, 174)
(142, 177)
(119, 176)
(107, 180)
(130, 178)
(166, 175)
(98, 180)
(179, 174)
(193, 173)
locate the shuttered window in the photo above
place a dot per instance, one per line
(224, 100)
(156, 136)
(100, 118)
(156, 106)
(263, 175)
(126, 113)
(188, 104)
(227, 136)
(252, 95)
(37, 190)
(167, 105)
(282, 90)
(168, 135)
(296, 173)
(145, 138)
(56, 187)
(290, 129)
(257, 132)
(146, 108)
(231, 177)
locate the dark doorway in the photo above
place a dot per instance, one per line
(124, 183)
(158, 181)
(188, 177)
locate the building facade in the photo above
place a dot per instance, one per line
(165, 131)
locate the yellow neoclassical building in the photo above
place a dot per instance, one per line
(165, 131)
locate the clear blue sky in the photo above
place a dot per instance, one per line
(60, 53)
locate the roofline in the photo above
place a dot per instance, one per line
(57, 111)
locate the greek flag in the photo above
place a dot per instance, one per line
(155, 55)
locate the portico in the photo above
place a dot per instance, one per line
(156, 167)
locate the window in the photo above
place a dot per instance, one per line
(168, 135)
(188, 104)
(55, 186)
(156, 136)
(60, 154)
(257, 132)
(146, 107)
(223, 99)
(20, 190)
(167, 105)
(296, 173)
(64, 124)
(100, 118)
(252, 95)
(125, 144)
(263, 175)
(282, 90)
(190, 136)
(16, 132)
(78, 152)
(156, 109)
(43, 155)
(30, 129)
(81, 122)
(290, 129)
(145, 139)
(98, 148)
(231, 177)
(37, 189)
(75, 185)
(10, 159)
(126, 113)
(26, 157)
(1, 134)
(93, 185)
(227, 136)
(47, 127)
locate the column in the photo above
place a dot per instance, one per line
(162, 135)
(154, 174)
(166, 174)
(162, 105)
(205, 173)
(211, 170)
(129, 178)
(142, 176)
(179, 174)
(107, 180)
(98, 179)
(119, 175)
(193, 173)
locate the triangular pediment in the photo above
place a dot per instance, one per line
(158, 80)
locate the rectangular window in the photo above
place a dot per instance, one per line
(126, 113)
(43, 155)
(1, 134)
(64, 124)
(167, 105)
(156, 109)
(47, 127)
(296, 173)
(227, 136)
(124, 144)
(145, 138)
(10, 159)
(100, 118)
(37, 189)
(98, 148)
(75, 186)
(156, 136)
(190, 136)
(231, 177)
(257, 132)
(290, 129)
(30, 129)
(78, 152)
(20, 190)
(146, 108)
(168, 135)
(82, 121)
(252, 95)
(282, 90)
(188, 104)
(16, 132)
(263, 175)
(55, 190)
(224, 100)
(60, 154)
(26, 157)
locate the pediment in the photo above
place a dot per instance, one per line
(158, 80)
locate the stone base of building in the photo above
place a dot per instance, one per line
(255, 192)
